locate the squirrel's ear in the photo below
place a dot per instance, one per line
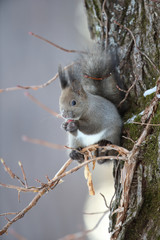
(62, 77)
(75, 82)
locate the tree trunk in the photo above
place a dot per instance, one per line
(134, 27)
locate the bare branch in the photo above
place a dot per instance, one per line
(127, 92)
(33, 99)
(11, 174)
(42, 142)
(105, 201)
(120, 89)
(34, 87)
(9, 213)
(151, 124)
(54, 181)
(95, 213)
(128, 138)
(24, 175)
(55, 45)
(20, 189)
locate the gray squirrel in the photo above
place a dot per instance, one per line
(89, 118)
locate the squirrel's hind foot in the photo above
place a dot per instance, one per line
(76, 155)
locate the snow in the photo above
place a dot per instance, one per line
(141, 113)
(130, 120)
(149, 91)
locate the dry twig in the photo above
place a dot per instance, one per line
(105, 201)
(33, 99)
(42, 142)
(127, 92)
(24, 175)
(34, 87)
(45, 187)
(9, 213)
(145, 124)
(56, 45)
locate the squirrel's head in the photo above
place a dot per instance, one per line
(73, 99)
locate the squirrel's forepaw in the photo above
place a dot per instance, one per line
(75, 155)
(104, 142)
(101, 152)
(69, 126)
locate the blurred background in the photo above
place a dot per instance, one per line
(25, 60)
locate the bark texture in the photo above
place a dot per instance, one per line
(134, 26)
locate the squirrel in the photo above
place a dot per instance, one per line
(99, 69)
(89, 118)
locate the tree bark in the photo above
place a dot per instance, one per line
(133, 27)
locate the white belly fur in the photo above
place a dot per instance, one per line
(87, 140)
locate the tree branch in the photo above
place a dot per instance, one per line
(45, 187)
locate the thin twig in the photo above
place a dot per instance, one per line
(34, 87)
(21, 189)
(56, 45)
(85, 163)
(121, 150)
(11, 174)
(24, 175)
(120, 89)
(34, 201)
(33, 99)
(151, 124)
(127, 92)
(105, 201)
(51, 184)
(97, 224)
(128, 138)
(42, 142)
(9, 213)
(95, 213)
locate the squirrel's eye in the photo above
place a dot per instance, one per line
(73, 102)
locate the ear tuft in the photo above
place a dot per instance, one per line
(74, 80)
(62, 77)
